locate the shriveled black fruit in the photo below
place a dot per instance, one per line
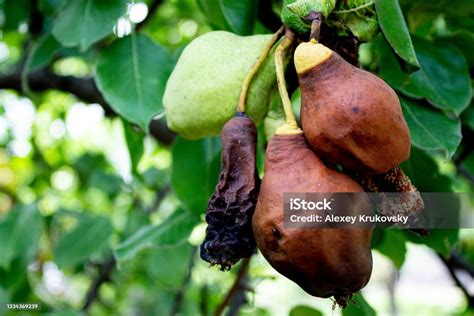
(229, 235)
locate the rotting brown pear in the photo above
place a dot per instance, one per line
(349, 116)
(324, 262)
(229, 235)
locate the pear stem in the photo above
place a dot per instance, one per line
(290, 127)
(242, 105)
(317, 20)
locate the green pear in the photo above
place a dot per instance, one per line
(203, 90)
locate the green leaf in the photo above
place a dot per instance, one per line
(393, 246)
(237, 16)
(169, 266)
(195, 171)
(43, 52)
(82, 22)
(173, 230)
(361, 309)
(105, 181)
(155, 178)
(440, 240)
(424, 173)
(443, 78)
(15, 12)
(431, 130)
(394, 28)
(463, 40)
(303, 310)
(132, 74)
(89, 236)
(135, 145)
(20, 230)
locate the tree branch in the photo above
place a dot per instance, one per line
(239, 299)
(452, 264)
(238, 287)
(83, 88)
(105, 272)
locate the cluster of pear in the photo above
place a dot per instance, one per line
(349, 118)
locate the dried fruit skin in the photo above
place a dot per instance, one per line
(350, 116)
(325, 262)
(229, 235)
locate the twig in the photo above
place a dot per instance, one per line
(178, 299)
(239, 299)
(151, 11)
(458, 262)
(105, 272)
(237, 287)
(451, 268)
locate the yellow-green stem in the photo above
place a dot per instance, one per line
(242, 105)
(290, 127)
